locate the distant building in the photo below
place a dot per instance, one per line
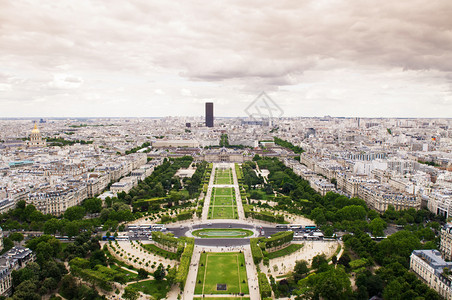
(175, 143)
(1, 239)
(209, 114)
(446, 241)
(36, 139)
(429, 265)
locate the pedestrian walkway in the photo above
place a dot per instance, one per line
(190, 284)
(240, 210)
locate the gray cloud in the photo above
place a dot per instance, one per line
(241, 47)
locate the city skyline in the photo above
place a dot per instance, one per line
(149, 59)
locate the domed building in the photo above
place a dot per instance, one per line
(36, 139)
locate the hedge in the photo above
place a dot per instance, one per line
(256, 250)
(263, 215)
(185, 260)
(264, 286)
(279, 239)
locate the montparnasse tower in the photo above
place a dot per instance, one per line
(36, 138)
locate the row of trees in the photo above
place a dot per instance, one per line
(289, 145)
(160, 182)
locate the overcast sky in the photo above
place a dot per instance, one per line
(161, 58)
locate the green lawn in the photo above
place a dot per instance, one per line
(223, 176)
(160, 252)
(223, 192)
(222, 204)
(223, 212)
(129, 275)
(223, 200)
(285, 251)
(221, 268)
(156, 288)
(222, 233)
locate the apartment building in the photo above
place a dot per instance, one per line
(429, 266)
(446, 241)
(14, 259)
(55, 200)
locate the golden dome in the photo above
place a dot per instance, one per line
(35, 129)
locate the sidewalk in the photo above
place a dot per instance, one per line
(189, 289)
(205, 209)
(238, 198)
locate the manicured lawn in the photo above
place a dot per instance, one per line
(223, 176)
(223, 212)
(156, 288)
(160, 252)
(129, 275)
(223, 200)
(221, 268)
(285, 251)
(222, 233)
(222, 204)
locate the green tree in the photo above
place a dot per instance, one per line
(333, 284)
(319, 261)
(16, 237)
(377, 226)
(7, 244)
(74, 213)
(300, 270)
(51, 226)
(130, 293)
(393, 290)
(159, 273)
(26, 290)
(93, 205)
(142, 273)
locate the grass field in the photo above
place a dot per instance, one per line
(285, 251)
(222, 204)
(221, 268)
(223, 176)
(222, 233)
(156, 288)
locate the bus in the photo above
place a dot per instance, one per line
(145, 226)
(132, 227)
(295, 226)
(158, 227)
(122, 238)
(284, 226)
(310, 227)
(108, 238)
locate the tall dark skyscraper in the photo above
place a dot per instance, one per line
(209, 114)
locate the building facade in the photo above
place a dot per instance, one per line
(36, 138)
(209, 114)
(14, 259)
(446, 241)
(429, 266)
